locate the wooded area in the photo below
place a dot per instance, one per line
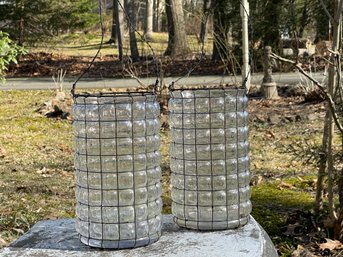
(30, 23)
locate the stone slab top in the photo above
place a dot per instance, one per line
(58, 238)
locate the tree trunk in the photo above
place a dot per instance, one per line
(340, 183)
(336, 43)
(322, 19)
(322, 165)
(156, 16)
(119, 19)
(149, 19)
(204, 21)
(334, 80)
(330, 165)
(337, 92)
(177, 38)
(113, 39)
(130, 7)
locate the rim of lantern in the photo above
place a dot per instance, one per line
(115, 94)
(207, 87)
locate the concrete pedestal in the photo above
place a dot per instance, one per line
(58, 238)
(269, 90)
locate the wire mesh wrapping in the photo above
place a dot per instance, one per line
(209, 158)
(117, 163)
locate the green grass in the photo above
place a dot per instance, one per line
(87, 45)
(288, 183)
(35, 164)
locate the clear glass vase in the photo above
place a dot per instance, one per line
(209, 158)
(117, 165)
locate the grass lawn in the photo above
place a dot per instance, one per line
(87, 45)
(36, 169)
(36, 164)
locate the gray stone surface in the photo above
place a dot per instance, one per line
(58, 238)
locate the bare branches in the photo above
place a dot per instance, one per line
(326, 10)
(338, 13)
(298, 67)
(129, 70)
(328, 97)
(59, 78)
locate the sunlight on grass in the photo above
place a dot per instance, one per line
(35, 164)
(275, 150)
(272, 204)
(87, 45)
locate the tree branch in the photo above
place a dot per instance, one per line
(339, 78)
(132, 74)
(326, 10)
(338, 11)
(328, 97)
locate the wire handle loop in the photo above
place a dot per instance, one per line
(156, 86)
(244, 82)
(171, 86)
(155, 59)
(73, 88)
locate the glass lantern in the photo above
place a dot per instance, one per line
(209, 158)
(117, 165)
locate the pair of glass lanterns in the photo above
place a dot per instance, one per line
(117, 163)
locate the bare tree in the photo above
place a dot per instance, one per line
(131, 16)
(113, 39)
(177, 38)
(204, 21)
(118, 14)
(333, 84)
(149, 19)
(223, 13)
(157, 15)
(333, 93)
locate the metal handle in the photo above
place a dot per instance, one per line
(73, 88)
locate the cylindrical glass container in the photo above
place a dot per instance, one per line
(209, 158)
(117, 163)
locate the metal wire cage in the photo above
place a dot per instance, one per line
(209, 158)
(117, 166)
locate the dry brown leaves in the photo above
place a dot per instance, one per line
(3, 243)
(331, 245)
(302, 252)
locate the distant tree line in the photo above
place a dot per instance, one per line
(270, 21)
(34, 21)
